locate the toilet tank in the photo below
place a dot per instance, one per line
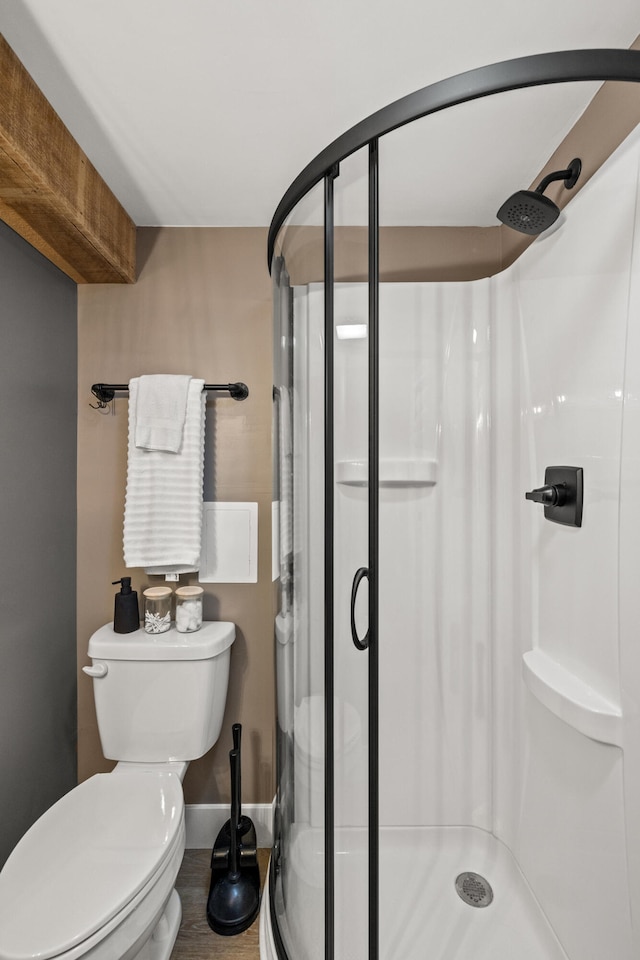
(161, 696)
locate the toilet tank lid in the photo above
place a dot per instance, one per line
(213, 638)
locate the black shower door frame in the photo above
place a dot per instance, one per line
(539, 70)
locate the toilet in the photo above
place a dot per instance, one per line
(94, 877)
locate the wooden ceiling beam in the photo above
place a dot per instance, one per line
(50, 193)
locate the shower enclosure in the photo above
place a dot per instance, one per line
(458, 676)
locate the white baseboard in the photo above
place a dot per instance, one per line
(204, 820)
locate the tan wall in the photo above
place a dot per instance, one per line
(417, 254)
(202, 305)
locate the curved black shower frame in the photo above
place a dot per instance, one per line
(539, 70)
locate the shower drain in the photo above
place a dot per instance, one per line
(474, 889)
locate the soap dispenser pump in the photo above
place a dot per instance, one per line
(126, 617)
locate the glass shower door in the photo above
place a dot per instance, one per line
(321, 865)
(350, 539)
(297, 871)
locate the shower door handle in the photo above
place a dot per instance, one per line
(360, 575)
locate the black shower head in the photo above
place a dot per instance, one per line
(529, 211)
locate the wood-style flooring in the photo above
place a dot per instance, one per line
(196, 940)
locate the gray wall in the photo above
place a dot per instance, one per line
(38, 372)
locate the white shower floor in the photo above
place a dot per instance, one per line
(421, 915)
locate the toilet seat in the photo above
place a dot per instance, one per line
(88, 860)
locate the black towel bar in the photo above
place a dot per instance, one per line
(105, 392)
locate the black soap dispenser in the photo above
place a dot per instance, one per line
(126, 617)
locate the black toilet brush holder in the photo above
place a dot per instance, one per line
(234, 893)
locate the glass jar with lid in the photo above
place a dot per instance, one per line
(157, 609)
(188, 609)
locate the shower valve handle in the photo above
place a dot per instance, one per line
(552, 495)
(561, 495)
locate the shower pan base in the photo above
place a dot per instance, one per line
(421, 913)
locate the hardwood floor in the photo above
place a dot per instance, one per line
(196, 941)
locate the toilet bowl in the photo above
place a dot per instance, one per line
(94, 876)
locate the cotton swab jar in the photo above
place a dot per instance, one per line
(188, 609)
(157, 609)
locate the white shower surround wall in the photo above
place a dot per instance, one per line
(488, 383)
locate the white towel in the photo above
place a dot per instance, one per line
(161, 410)
(163, 506)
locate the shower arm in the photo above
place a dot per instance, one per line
(570, 177)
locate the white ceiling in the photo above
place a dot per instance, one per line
(199, 112)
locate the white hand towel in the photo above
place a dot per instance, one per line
(161, 410)
(163, 506)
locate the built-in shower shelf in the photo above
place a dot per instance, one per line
(571, 699)
(392, 473)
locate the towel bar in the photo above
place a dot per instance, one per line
(105, 392)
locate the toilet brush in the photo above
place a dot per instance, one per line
(234, 893)
(245, 824)
(246, 829)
